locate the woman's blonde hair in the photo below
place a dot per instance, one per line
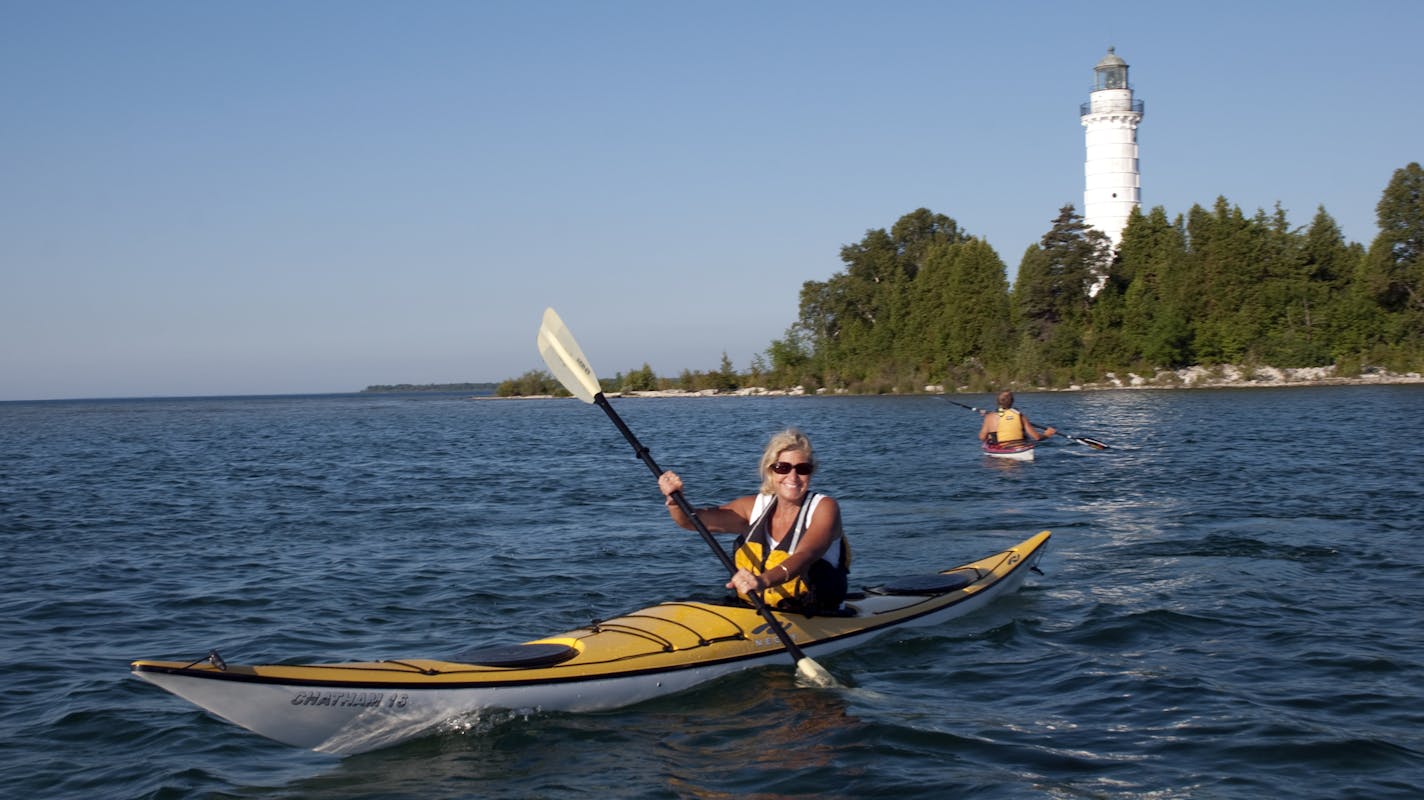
(789, 439)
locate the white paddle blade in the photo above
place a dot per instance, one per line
(815, 674)
(564, 358)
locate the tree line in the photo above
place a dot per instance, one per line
(402, 388)
(927, 303)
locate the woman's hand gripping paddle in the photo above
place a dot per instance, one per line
(1093, 443)
(566, 360)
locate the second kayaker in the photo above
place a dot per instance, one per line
(1009, 426)
(790, 545)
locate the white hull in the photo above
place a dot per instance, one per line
(1011, 455)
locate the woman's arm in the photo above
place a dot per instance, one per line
(729, 518)
(733, 517)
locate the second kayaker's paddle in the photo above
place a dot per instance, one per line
(1093, 443)
(567, 362)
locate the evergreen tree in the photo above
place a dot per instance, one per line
(1104, 348)
(1306, 295)
(976, 309)
(1052, 292)
(1271, 316)
(928, 314)
(1222, 256)
(1394, 270)
(725, 379)
(959, 306)
(1153, 260)
(1030, 310)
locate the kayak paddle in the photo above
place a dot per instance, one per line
(567, 362)
(1093, 443)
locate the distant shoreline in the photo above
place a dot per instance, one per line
(1226, 377)
(408, 388)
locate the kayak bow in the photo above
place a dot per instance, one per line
(667, 648)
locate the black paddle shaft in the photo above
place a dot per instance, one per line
(647, 458)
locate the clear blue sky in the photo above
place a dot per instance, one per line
(313, 196)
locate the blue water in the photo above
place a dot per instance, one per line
(1230, 608)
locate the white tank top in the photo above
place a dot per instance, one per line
(761, 524)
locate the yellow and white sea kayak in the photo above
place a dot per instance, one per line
(659, 650)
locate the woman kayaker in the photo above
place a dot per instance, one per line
(790, 546)
(1008, 425)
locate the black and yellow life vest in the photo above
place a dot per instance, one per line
(754, 555)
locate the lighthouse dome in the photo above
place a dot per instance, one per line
(1112, 59)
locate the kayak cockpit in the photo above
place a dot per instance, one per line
(938, 583)
(533, 654)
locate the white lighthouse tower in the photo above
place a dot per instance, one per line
(1113, 186)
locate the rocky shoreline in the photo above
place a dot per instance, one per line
(1235, 377)
(1221, 377)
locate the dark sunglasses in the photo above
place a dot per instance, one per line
(783, 467)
